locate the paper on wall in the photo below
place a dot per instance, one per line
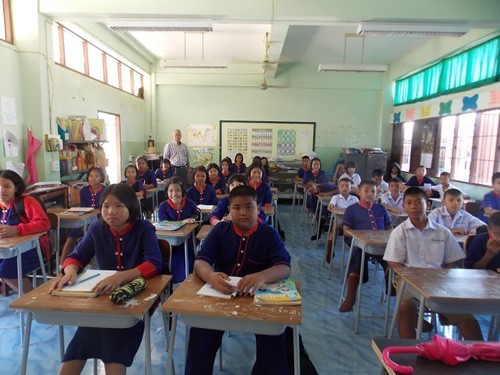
(10, 143)
(8, 108)
(15, 166)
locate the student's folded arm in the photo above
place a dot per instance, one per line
(203, 269)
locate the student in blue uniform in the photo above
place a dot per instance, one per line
(253, 251)
(368, 216)
(131, 181)
(265, 165)
(484, 250)
(215, 180)
(179, 208)
(201, 192)
(164, 172)
(491, 200)
(257, 160)
(221, 212)
(315, 174)
(264, 193)
(90, 196)
(21, 215)
(306, 161)
(238, 165)
(225, 168)
(148, 179)
(119, 241)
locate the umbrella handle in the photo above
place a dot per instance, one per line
(405, 370)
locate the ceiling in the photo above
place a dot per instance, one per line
(315, 32)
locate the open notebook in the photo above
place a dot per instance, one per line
(84, 284)
(208, 290)
(169, 225)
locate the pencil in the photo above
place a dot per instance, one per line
(87, 278)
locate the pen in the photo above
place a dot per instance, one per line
(87, 278)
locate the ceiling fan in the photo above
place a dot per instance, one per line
(264, 85)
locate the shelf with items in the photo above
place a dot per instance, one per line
(283, 177)
(77, 157)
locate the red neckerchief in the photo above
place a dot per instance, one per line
(420, 180)
(497, 195)
(118, 250)
(131, 184)
(178, 210)
(364, 205)
(253, 185)
(225, 175)
(199, 189)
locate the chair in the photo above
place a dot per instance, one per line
(298, 194)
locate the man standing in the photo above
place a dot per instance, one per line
(178, 154)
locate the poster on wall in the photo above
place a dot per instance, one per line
(201, 135)
(10, 144)
(276, 140)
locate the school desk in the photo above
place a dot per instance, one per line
(239, 314)
(336, 218)
(323, 200)
(179, 237)
(153, 193)
(449, 290)
(98, 312)
(204, 231)
(271, 212)
(425, 366)
(371, 242)
(398, 218)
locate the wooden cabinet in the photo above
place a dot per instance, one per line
(52, 195)
(366, 163)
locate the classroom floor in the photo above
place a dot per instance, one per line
(328, 335)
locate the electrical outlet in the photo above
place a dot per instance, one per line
(54, 166)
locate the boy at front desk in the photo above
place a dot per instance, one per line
(420, 242)
(484, 250)
(452, 216)
(254, 251)
(364, 215)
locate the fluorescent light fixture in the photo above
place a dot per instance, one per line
(358, 68)
(192, 64)
(411, 29)
(157, 25)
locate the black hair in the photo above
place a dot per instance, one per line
(16, 180)
(200, 168)
(452, 192)
(213, 165)
(377, 173)
(126, 195)
(130, 166)
(178, 181)
(166, 161)
(495, 177)
(255, 166)
(238, 154)
(394, 179)
(243, 191)
(367, 182)
(494, 219)
(306, 157)
(256, 159)
(345, 179)
(415, 192)
(228, 160)
(314, 159)
(99, 170)
(350, 164)
(446, 174)
(262, 158)
(237, 177)
(142, 157)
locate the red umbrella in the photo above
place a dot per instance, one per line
(448, 351)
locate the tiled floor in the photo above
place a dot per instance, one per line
(328, 335)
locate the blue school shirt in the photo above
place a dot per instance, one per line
(320, 178)
(242, 169)
(301, 172)
(222, 210)
(476, 251)
(136, 186)
(147, 178)
(231, 252)
(413, 181)
(167, 211)
(202, 196)
(159, 174)
(135, 247)
(373, 217)
(220, 184)
(90, 198)
(489, 200)
(264, 193)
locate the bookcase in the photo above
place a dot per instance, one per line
(284, 178)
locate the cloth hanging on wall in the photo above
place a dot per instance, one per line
(33, 145)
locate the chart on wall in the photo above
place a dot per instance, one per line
(275, 140)
(201, 135)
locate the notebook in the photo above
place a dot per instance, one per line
(283, 292)
(78, 211)
(84, 284)
(208, 290)
(169, 225)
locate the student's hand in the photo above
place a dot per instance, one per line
(459, 230)
(190, 220)
(8, 231)
(330, 207)
(219, 281)
(68, 278)
(226, 218)
(109, 284)
(429, 193)
(493, 246)
(249, 284)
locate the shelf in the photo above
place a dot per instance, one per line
(84, 142)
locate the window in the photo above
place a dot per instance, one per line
(467, 146)
(80, 55)
(5, 21)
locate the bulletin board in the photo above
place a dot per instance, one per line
(274, 139)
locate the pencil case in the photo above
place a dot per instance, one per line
(127, 291)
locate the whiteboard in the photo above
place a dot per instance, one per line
(273, 139)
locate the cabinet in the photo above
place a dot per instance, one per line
(77, 157)
(366, 163)
(282, 176)
(52, 195)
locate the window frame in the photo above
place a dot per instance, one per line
(7, 17)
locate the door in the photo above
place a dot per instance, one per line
(112, 146)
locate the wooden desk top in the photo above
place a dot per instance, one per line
(377, 238)
(207, 211)
(339, 212)
(268, 210)
(221, 196)
(181, 232)
(184, 300)
(453, 284)
(40, 300)
(204, 231)
(10, 242)
(425, 366)
(64, 215)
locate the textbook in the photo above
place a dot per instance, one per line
(283, 292)
(169, 225)
(84, 284)
(208, 290)
(78, 211)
